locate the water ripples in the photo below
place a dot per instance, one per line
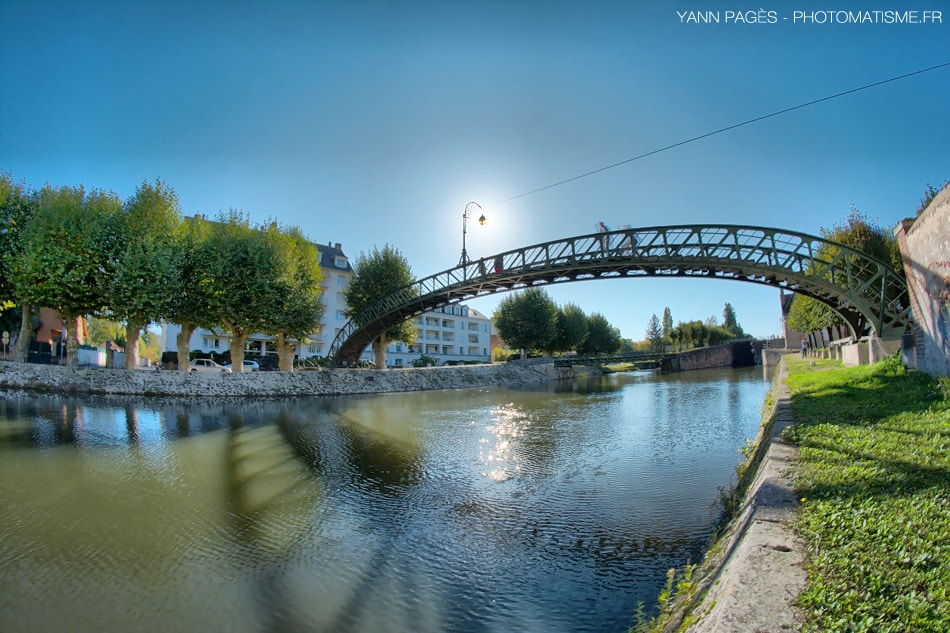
(484, 510)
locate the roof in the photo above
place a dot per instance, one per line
(329, 253)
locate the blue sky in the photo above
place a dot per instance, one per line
(369, 123)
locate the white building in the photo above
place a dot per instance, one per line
(451, 334)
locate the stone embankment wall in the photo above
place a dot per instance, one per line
(51, 378)
(738, 354)
(925, 249)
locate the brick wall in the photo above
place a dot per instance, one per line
(925, 248)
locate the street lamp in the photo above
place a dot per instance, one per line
(465, 214)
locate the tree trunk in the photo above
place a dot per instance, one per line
(238, 337)
(285, 353)
(379, 350)
(183, 344)
(132, 345)
(73, 325)
(26, 331)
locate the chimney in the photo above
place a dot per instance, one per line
(338, 246)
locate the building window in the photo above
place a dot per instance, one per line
(340, 316)
(339, 262)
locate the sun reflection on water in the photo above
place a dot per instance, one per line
(498, 450)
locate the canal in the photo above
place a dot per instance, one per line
(548, 508)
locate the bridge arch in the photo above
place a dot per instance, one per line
(866, 292)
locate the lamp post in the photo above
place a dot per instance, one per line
(465, 214)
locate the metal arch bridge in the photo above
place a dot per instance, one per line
(865, 291)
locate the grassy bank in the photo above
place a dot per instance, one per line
(874, 478)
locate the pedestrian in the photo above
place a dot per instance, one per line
(804, 348)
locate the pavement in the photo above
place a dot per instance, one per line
(754, 574)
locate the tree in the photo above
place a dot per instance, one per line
(101, 330)
(139, 292)
(676, 337)
(68, 256)
(377, 274)
(17, 207)
(571, 328)
(729, 321)
(298, 309)
(655, 333)
(527, 320)
(667, 322)
(243, 287)
(189, 292)
(601, 335)
(857, 232)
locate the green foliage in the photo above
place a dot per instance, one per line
(527, 320)
(810, 315)
(857, 232)
(190, 289)
(139, 290)
(679, 587)
(571, 328)
(667, 322)
(730, 322)
(10, 317)
(655, 334)
(500, 354)
(297, 310)
(929, 194)
(243, 283)
(601, 336)
(17, 206)
(68, 251)
(698, 334)
(875, 484)
(101, 330)
(424, 361)
(377, 274)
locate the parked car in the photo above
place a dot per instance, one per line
(249, 365)
(206, 364)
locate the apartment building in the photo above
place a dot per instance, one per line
(452, 334)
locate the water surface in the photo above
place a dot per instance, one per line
(555, 508)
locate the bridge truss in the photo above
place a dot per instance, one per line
(866, 292)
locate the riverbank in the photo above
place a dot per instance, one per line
(95, 380)
(752, 574)
(846, 522)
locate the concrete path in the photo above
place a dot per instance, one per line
(761, 569)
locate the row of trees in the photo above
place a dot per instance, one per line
(530, 321)
(87, 252)
(660, 334)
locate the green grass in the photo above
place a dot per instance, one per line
(875, 482)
